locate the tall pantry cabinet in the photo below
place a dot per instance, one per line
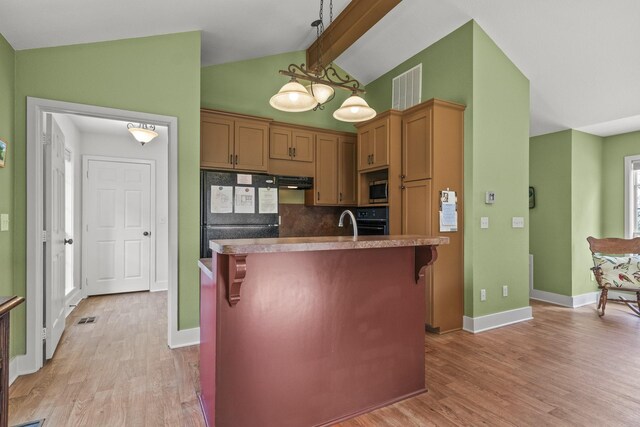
(433, 161)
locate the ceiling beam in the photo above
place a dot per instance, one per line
(355, 20)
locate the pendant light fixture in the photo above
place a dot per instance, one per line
(354, 109)
(143, 133)
(323, 80)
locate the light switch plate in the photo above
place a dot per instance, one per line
(517, 222)
(484, 222)
(4, 222)
(490, 197)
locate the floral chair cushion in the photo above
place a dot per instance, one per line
(619, 271)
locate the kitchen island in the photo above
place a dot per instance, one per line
(311, 331)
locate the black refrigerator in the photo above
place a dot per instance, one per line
(237, 206)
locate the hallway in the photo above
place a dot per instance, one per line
(117, 371)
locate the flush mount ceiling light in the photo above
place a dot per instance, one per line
(323, 80)
(142, 133)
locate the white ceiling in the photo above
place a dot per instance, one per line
(581, 56)
(88, 124)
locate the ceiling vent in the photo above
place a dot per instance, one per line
(407, 89)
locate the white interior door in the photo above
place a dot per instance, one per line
(118, 225)
(54, 280)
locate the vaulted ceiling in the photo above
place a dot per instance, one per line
(581, 56)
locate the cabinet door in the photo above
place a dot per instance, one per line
(326, 179)
(347, 171)
(416, 207)
(251, 145)
(280, 143)
(416, 145)
(380, 133)
(302, 144)
(216, 142)
(364, 148)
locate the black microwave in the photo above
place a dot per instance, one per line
(379, 191)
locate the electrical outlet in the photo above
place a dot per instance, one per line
(484, 222)
(4, 222)
(505, 291)
(483, 294)
(517, 222)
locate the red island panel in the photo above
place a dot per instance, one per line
(310, 338)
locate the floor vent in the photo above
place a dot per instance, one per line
(85, 320)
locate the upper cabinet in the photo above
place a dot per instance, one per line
(288, 143)
(374, 139)
(347, 194)
(230, 141)
(417, 144)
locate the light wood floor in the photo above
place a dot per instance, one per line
(118, 371)
(565, 367)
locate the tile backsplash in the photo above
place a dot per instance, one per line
(303, 221)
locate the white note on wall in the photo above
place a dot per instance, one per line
(245, 200)
(267, 200)
(221, 199)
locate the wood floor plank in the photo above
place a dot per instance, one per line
(567, 367)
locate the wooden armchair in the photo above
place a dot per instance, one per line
(617, 267)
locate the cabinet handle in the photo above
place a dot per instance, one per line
(231, 158)
(318, 195)
(236, 159)
(340, 196)
(294, 151)
(290, 152)
(402, 187)
(402, 176)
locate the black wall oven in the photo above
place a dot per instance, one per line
(372, 221)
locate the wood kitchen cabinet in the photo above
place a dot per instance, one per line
(291, 150)
(233, 141)
(325, 183)
(374, 139)
(335, 178)
(433, 161)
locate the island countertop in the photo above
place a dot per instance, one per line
(323, 243)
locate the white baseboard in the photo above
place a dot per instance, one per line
(496, 320)
(185, 337)
(72, 302)
(17, 367)
(565, 300)
(160, 285)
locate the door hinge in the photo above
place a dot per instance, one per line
(44, 235)
(45, 139)
(87, 174)
(44, 334)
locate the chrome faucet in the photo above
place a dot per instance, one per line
(353, 221)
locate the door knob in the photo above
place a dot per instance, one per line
(146, 233)
(68, 241)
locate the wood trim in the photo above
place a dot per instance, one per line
(354, 21)
(311, 128)
(434, 102)
(425, 256)
(379, 116)
(234, 115)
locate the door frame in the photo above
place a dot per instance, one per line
(152, 212)
(36, 109)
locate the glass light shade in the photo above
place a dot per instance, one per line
(320, 92)
(293, 97)
(143, 135)
(354, 109)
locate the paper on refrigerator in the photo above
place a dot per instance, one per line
(221, 199)
(267, 200)
(245, 200)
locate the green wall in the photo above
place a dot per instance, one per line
(615, 148)
(500, 163)
(550, 221)
(566, 171)
(586, 207)
(159, 75)
(467, 67)
(7, 100)
(246, 87)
